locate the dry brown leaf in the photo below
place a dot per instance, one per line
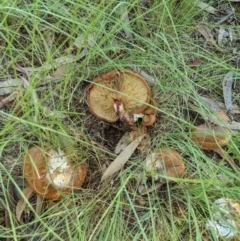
(8, 99)
(206, 32)
(122, 158)
(123, 143)
(195, 63)
(22, 203)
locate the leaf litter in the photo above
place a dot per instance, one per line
(122, 158)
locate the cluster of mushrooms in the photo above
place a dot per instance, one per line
(117, 95)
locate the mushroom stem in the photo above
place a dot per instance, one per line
(118, 106)
(122, 114)
(227, 157)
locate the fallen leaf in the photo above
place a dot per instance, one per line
(212, 118)
(219, 106)
(206, 7)
(9, 86)
(221, 33)
(22, 203)
(123, 143)
(7, 100)
(211, 103)
(62, 71)
(122, 158)
(195, 63)
(206, 32)
(227, 90)
(146, 76)
(56, 63)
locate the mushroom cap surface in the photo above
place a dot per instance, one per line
(125, 86)
(150, 113)
(210, 137)
(164, 161)
(37, 171)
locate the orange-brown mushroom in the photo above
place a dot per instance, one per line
(118, 94)
(149, 114)
(165, 162)
(51, 173)
(212, 138)
(144, 145)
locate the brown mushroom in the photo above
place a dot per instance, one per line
(118, 94)
(149, 114)
(144, 145)
(51, 173)
(165, 162)
(212, 138)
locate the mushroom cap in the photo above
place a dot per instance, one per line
(145, 144)
(222, 115)
(150, 114)
(164, 161)
(148, 120)
(126, 86)
(210, 137)
(47, 183)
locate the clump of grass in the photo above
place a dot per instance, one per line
(161, 40)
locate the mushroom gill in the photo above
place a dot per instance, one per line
(118, 94)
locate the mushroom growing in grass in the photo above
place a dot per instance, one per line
(137, 131)
(52, 173)
(211, 137)
(149, 114)
(166, 162)
(118, 94)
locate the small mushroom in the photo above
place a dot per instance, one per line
(118, 94)
(149, 114)
(165, 162)
(212, 138)
(146, 141)
(51, 173)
